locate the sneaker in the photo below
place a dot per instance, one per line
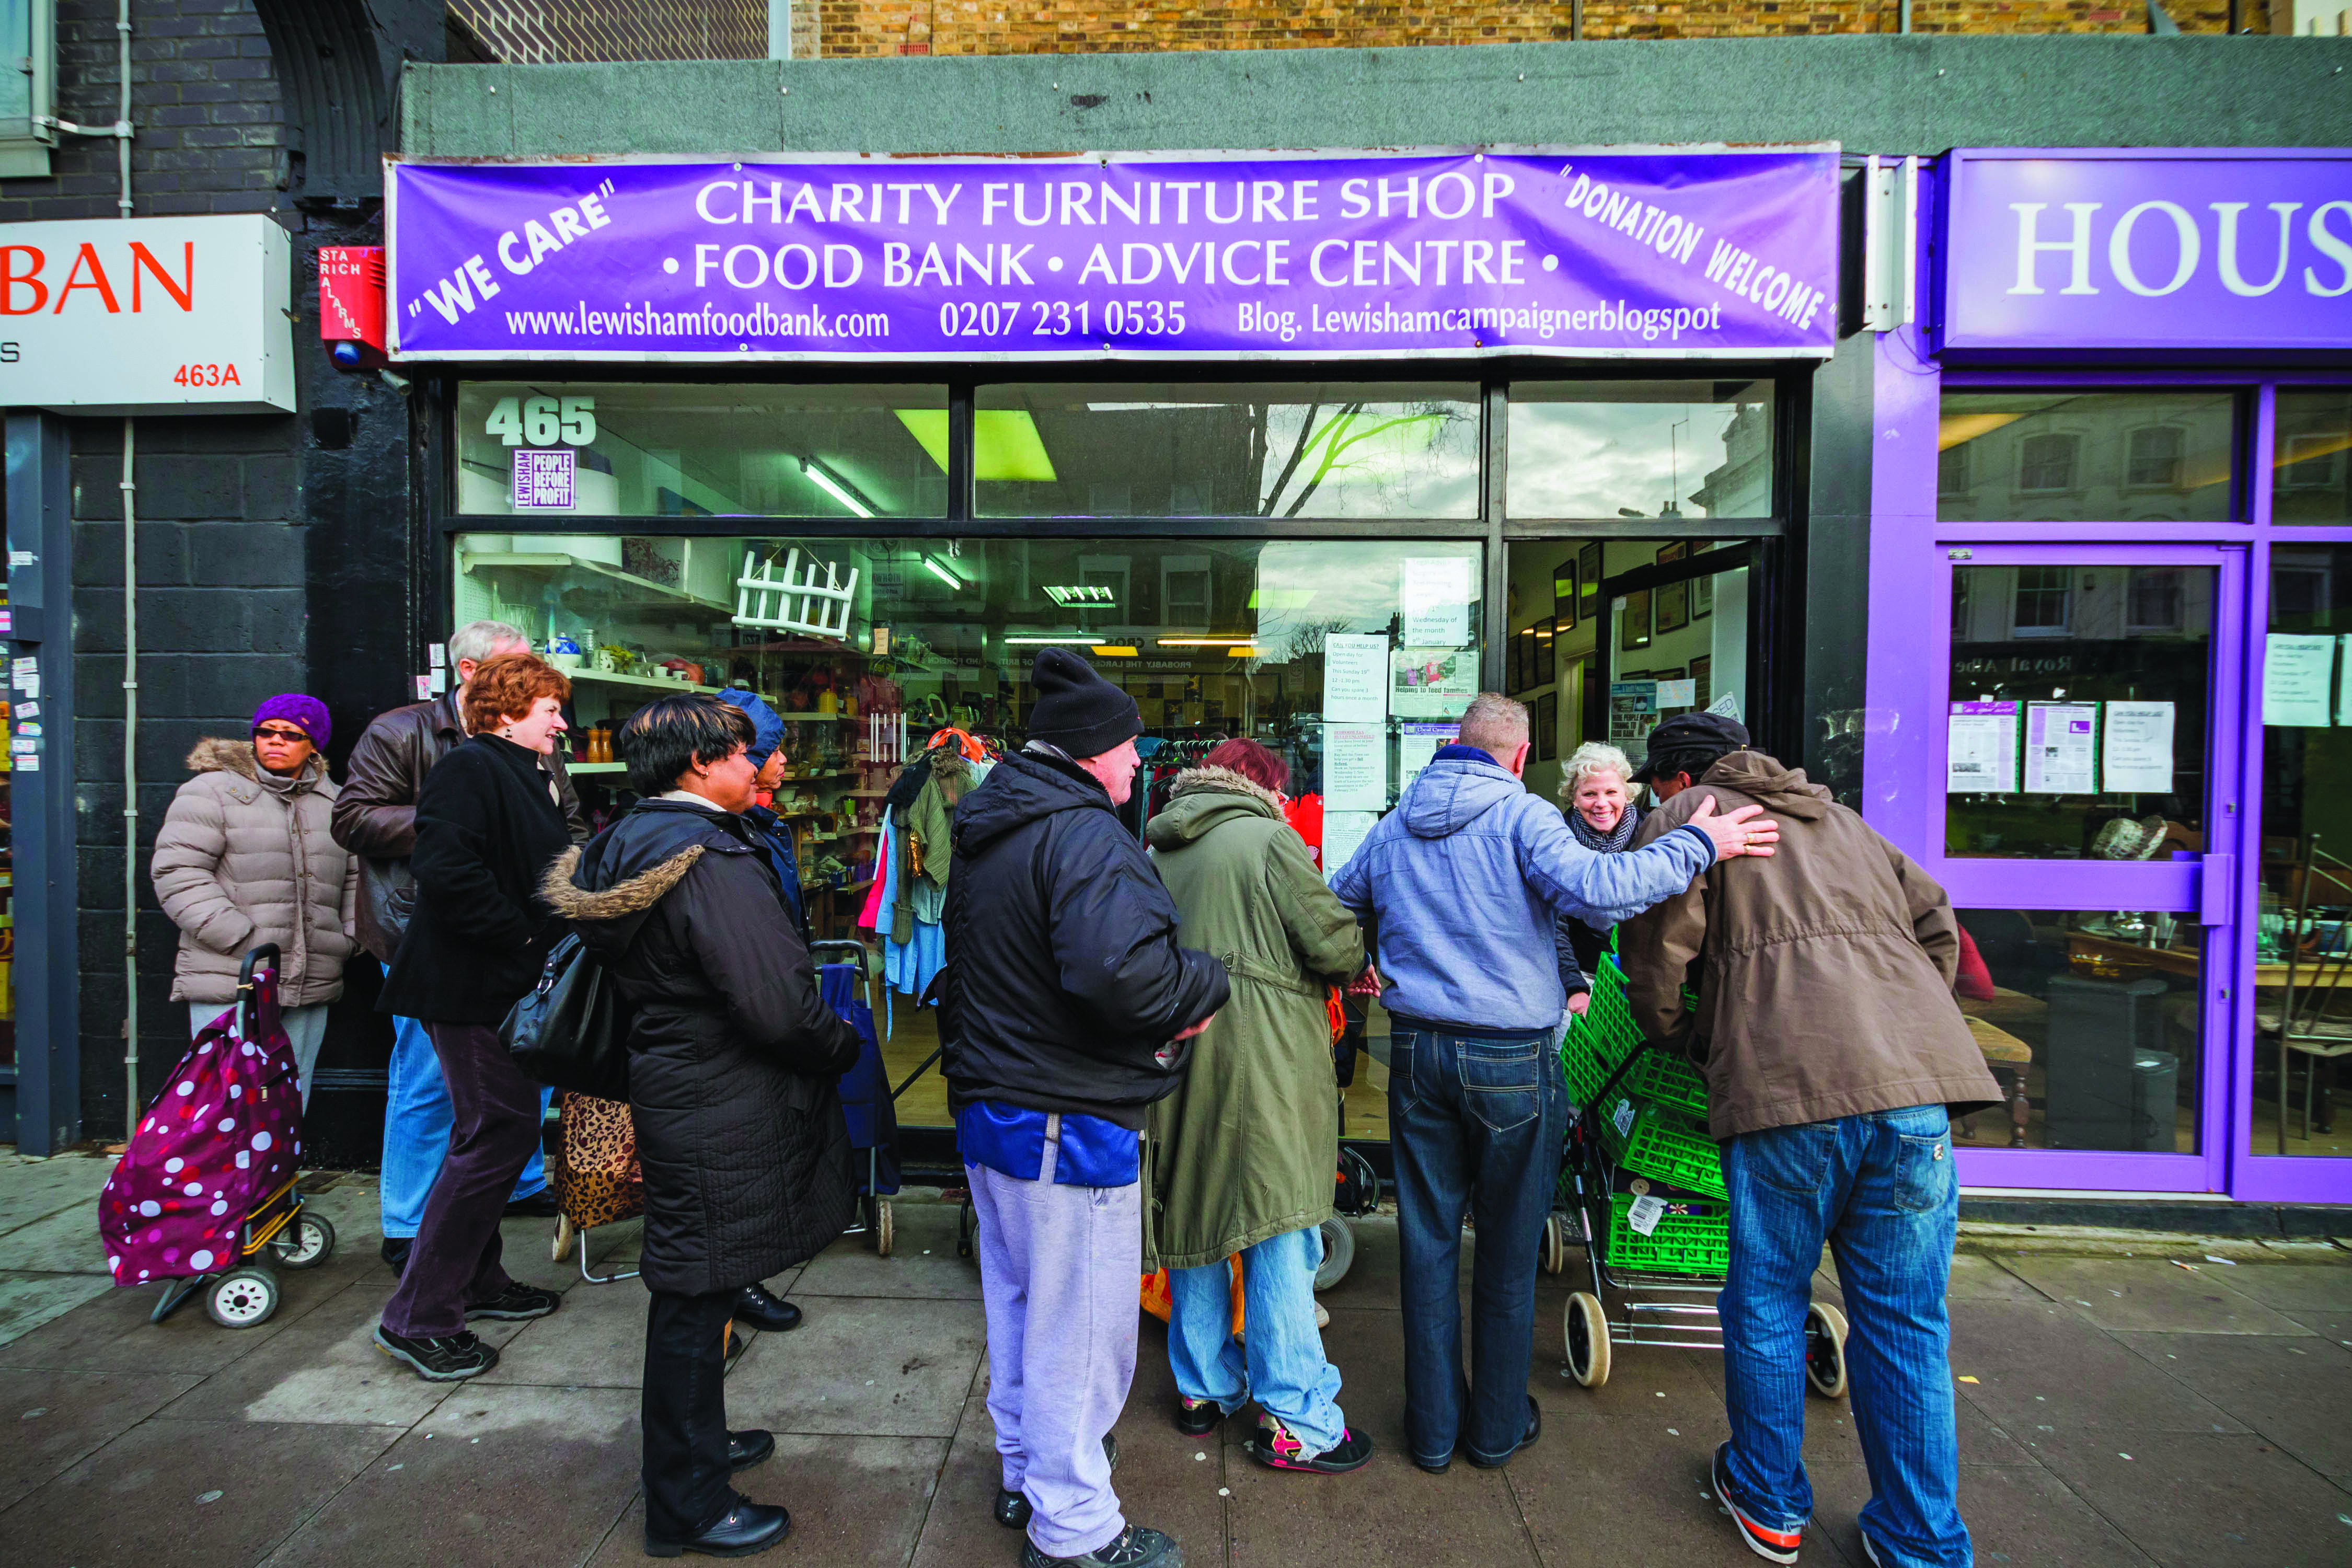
(1198, 1417)
(442, 1358)
(1774, 1545)
(1526, 1439)
(540, 1204)
(394, 1253)
(1134, 1547)
(1278, 1448)
(516, 1303)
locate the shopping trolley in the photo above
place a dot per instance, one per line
(867, 1098)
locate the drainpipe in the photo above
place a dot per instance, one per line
(1903, 17)
(130, 664)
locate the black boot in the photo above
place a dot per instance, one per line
(747, 1528)
(755, 1307)
(745, 1450)
(394, 1253)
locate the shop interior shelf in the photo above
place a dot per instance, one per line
(643, 683)
(551, 563)
(596, 767)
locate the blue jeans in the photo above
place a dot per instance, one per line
(416, 1120)
(1473, 1124)
(1879, 1188)
(1280, 1361)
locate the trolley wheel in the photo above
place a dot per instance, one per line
(306, 1241)
(558, 1248)
(1588, 1339)
(882, 1227)
(965, 1223)
(1555, 1243)
(1338, 1252)
(242, 1298)
(1825, 1332)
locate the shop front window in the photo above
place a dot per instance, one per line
(2303, 939)
(1353, 659)
(617, 449)
(2091, 1021)
(1641, 449)
(2089, 457)
(2310, 475)
(1390, 449)
(2079, 700)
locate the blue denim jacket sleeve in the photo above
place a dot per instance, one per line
(1602, 890)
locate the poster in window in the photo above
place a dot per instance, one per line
(1547, 727)
(1432, 682)
(1702, 597)
(1547, 641)
(1674, 551)
(1634, 621)
(1673, 606)
(1587, 579)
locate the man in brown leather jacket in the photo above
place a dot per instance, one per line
(376, 819)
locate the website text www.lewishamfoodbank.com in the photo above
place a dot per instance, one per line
(1658, 253)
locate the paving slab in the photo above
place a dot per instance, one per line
(110, 1331)
(2041, 1370)
(923, 1261)
(515, 1476)
(2015, 1514)
(32, 1189)
(957, 1530)
(1622, 1491)
(2295, 1393)
(595, 1340)
(1975, 1277)
(65, 1242)
(853, 1500)
(51, 1419)
(187, 1494)
(2149, 1295)
(2206, 1500)
(1387, 1512)
(28, 1300)
(875, 1368)
(2290, 1286)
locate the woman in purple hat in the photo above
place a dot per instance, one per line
(243, 857)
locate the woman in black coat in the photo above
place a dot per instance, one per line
(732, 1062)
(488, 821)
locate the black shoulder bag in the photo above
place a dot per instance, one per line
(568, 1030)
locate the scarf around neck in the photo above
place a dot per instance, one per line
(1609, 843)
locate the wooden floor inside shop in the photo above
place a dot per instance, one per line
(909, 1035)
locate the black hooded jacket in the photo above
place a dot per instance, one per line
(1064, 988)
(732, 1056)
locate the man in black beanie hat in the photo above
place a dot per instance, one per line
(1064, 1016)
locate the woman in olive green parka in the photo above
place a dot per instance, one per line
(1247, 1147)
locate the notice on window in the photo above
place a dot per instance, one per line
(1355, 769)
(545, 480)
(1677, 694)
(1436, 601)
(2061, 747)
(1417, 744)
(2294, 679)
(1344, 833)
(1355, 678)
(1981, 747)
(2137, 756)
(1632, 714)
(2343, 685)
(1432, 682)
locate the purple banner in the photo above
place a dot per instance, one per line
(1667, 254)
(2196, 250)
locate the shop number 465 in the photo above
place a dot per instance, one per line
(542, 421)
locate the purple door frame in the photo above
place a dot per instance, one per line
(1903, 776)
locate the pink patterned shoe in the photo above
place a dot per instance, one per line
(1277, 1448)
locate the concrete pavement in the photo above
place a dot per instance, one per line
(2115, 1409)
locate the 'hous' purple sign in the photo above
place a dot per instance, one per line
(2202, 250)
(1667, 254)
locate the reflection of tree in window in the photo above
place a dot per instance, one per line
(1341, 440)
(2047, 462)
(2044, 601)
(2154, 456)
(1952, 470)
(2155, 599)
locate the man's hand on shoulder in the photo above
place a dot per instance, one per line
(1734, 833)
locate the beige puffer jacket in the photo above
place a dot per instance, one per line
(244, 858)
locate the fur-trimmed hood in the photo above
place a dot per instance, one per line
(222, 754)
(609, 886)
(1203, 798)
(635, 896)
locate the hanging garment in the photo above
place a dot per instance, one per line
(1305, 812)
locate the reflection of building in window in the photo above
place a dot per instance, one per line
(2155, 604)
(2313, 477)
(2046, 463)
(2301, 589)
(1952, 471)
(1741, 485)
(1184, 591)
(2042, 603)
(2154, 456)
(2312, 463)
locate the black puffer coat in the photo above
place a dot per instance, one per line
(732, 1056)
(1065, 984)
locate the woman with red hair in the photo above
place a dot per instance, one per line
(1248, 1141)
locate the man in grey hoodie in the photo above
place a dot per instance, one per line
(1464, 879)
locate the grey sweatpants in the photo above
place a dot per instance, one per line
(1059, 1272)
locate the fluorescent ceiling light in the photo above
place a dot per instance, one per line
(1146, 407)
(1038, 642)
(1240, 652)
(837, 488)
(1106, 650)
(1005, 442)
(942, 572)
(1083, 595)
(1206, 642)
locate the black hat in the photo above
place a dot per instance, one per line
(1077, 709)
(1691, 732)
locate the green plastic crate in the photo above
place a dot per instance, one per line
(1599, 1038)
(1693, 1236)
(1649, 1140)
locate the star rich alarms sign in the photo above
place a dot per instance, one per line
(147, 315)
(2201, 250)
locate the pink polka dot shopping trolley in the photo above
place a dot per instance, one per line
(204, 1200)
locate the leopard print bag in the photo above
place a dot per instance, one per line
(595, 1174)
